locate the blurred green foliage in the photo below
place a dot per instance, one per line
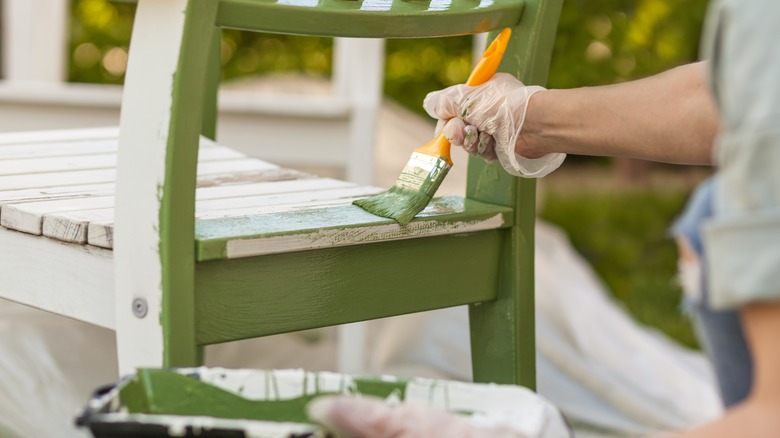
(99, 38)
(598, 42)
(606, 41)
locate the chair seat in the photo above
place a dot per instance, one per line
(61, 185)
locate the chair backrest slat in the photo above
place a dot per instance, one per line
(370, 18)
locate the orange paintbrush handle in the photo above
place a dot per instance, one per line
(483, 71)
(488, 64)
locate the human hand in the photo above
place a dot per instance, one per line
(487, 120)
(370, 417)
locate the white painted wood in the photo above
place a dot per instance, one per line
(69, 219)
(243, 165)
(59, 135)
(358, 74)
(32, 165)
(96, 226)
(267, 202)
(335, 237)
(100, 233)
(236, 185)
(40, 150)
(69, 137)
(54, 179)
(34, 40)
(85, 206)
(352, 348)
(232, 190)
(53, 193)
(57, 164)
(71, 280)
(144, 124)
(226, 168)
(478, 45)
(305, 201)
(28, 217)
(73, 226)
(268, 188)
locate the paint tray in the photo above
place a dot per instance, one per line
(217, 402)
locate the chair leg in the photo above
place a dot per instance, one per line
(502, 331)
(503, 348)
(352, 348)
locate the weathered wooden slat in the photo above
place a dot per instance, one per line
(274, 233)
(313, 194)
(70, 136)
(227, 178)
(228, 169)
(57, 164)
(28, 217)
(57, 136)
(96, 226)
(38, 150)
(245, 207)
(52, 193)
(268, 188)
(225, 181)
(91, 161)
(100, 233)
(90, 205)
(18, 182)
(73, 226)
(316, 224)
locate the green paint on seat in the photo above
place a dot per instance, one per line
(342, 225)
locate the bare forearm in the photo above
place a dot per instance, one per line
(669, 117)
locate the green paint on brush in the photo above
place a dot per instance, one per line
(413, 190)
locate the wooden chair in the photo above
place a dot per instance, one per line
(264, 250)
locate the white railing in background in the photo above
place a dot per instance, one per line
(34, 35)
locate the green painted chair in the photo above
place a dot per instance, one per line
(181, 283)
(206, 282)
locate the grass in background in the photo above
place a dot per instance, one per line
(622, 231)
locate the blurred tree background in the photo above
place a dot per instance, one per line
(598, 42)
(622, 233)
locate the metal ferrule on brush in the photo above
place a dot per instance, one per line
(423, 173)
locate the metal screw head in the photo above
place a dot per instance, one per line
(140, 307)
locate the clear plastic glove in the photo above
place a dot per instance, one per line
(361, 417)
(486, 120)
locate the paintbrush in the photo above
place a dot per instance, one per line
(429, 164)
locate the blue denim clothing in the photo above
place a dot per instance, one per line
(719, 331)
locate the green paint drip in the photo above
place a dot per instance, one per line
(412, 192)
(167, 392)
